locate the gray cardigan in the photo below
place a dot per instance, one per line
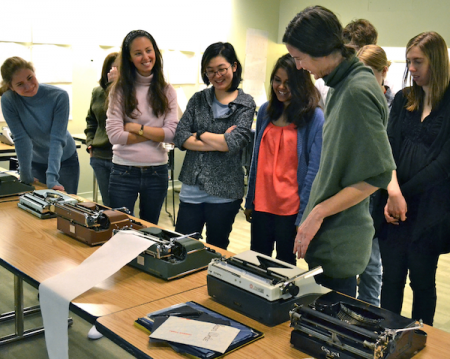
(218, 173)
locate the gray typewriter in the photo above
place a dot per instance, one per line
(41, 203)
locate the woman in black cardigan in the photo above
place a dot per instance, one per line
(416, 229)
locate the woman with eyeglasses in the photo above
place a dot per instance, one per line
(142, 114)
(285, 160)
(214, 129)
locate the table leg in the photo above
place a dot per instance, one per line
(95, 190)
(19, 316)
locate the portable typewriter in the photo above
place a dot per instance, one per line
(92, 223)
(10, 185)
(261, 287)
(171, 255)
(338, 326)
(41, 203)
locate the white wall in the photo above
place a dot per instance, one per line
(89, 30)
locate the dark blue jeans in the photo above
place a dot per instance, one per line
(369, 288)
(218, 217)
(268, 229)
(150, 183)
(102, 169)
(69, 173)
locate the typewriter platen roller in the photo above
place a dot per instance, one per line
(337, 326)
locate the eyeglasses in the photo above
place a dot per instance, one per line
(210, 74)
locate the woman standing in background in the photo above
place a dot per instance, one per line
(38, 115)
(416, 229)
(142, 114)
(214, 129)
(375, 57)
(97, 142)
(285, 160)
(369, 286)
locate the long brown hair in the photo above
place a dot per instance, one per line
(127, 76)
(9, 68)
(107, 65)
(434, 48)
(304, 95)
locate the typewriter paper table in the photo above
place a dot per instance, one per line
(34, 250)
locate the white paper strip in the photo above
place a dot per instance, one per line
(57, 292)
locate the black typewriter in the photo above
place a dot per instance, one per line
(338, 326)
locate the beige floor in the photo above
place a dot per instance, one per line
(80, 347)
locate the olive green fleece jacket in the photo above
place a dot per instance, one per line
(355, 148)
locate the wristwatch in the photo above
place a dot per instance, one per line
(141, 131)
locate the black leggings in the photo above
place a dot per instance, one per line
(269, 229)
(218, 217)
(399, 256)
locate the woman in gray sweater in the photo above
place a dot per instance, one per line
(214, 129)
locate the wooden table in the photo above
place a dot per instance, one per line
(275, 344)
(34, 250)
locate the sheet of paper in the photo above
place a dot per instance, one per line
(182, 67)
(255, 68)
(10, 49)
(257, 42)
(257, 90)
(181, 99)
(16, 20)
(52, 63)
(57, 292)
(200, 334)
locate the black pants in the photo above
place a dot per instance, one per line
(268, 229)
(400, 255)
(218, 217)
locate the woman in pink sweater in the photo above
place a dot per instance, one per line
(142, 114)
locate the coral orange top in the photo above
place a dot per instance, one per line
(276, 189)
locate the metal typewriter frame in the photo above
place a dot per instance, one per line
(316, 331)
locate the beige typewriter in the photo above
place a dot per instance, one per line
(261, 287)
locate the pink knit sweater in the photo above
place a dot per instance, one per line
(148, 153)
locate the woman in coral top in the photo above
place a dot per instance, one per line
(285, 160)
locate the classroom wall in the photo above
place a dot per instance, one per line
(396, 21)
(191, 26)
(176, 25)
